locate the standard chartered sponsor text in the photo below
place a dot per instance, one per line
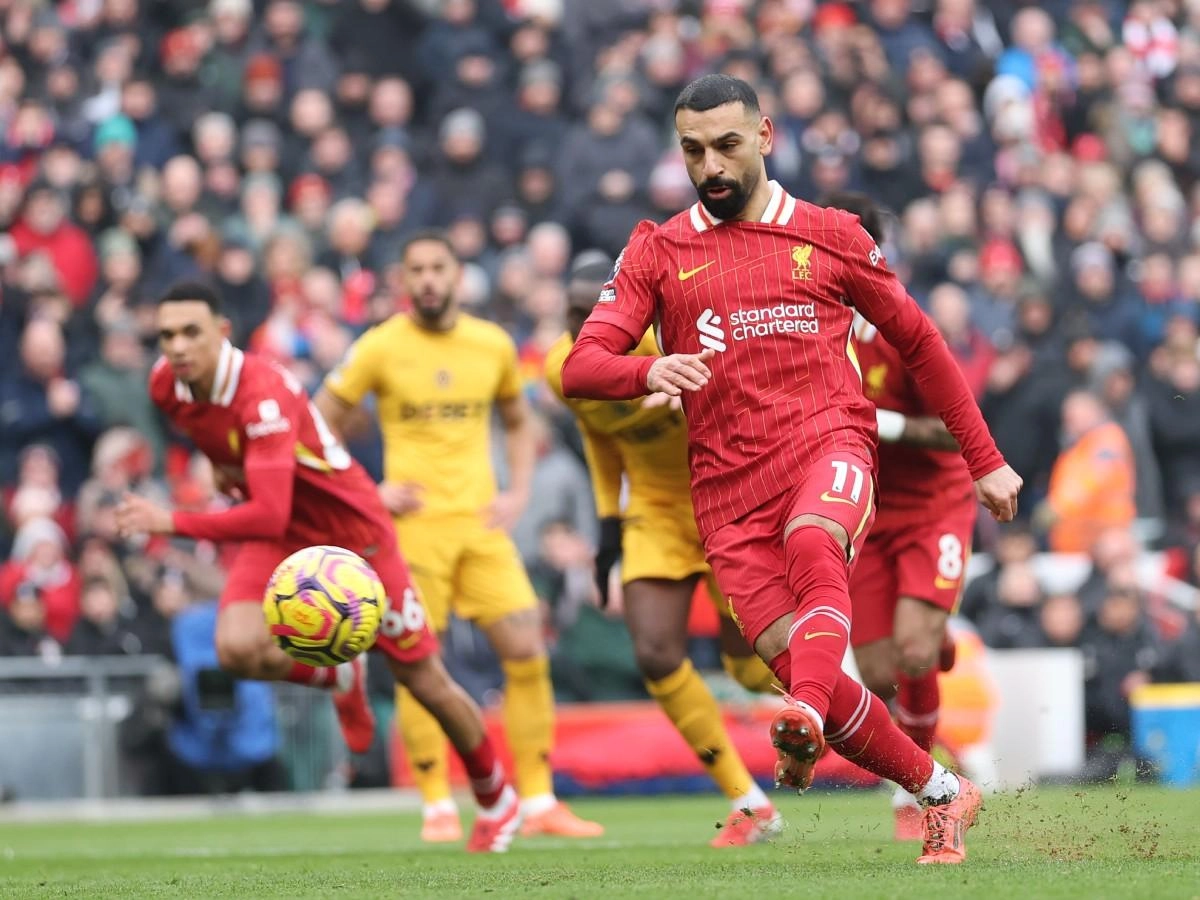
(782, 318)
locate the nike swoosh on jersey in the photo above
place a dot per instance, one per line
(945, 584)
(685, 274)
(809, 635)
(829, 498)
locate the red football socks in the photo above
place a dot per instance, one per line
(860, 728)
(818, 576)
(917, 703)
(312, 676)
(485, 772)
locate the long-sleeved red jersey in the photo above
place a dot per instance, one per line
(771, 298)
(261, 430)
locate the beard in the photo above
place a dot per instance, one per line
(730, 205)
(430, 309)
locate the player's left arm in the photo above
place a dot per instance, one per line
(877, 293)
(519, 446)
(926, 432)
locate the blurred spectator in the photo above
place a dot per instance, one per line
(1022, 404)
(1013, 622)
(1062, 620)
(1175, 429)
(1120, 650)
(951, 312)
(44, 228)
(1114, 382)
(1092, 484)
(23, 626)
(102, 629)
(43, 405)
(560, 493)
(1180, 660)
(39, 560)
(116, 383)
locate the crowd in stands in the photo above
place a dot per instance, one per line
(1042, 161)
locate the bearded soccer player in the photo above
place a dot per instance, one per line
(268, 444)
(437, 374)
(655, 538)
(909, 576)
(781, 439)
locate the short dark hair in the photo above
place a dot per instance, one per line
(710, 91)
(183, 291)
(596, 272)
(867, 210)
(436, 235)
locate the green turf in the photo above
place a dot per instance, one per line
(1064, 843)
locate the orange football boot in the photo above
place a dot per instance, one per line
(441, 828)
(749, 826)
(495, 828)
(558, 820)
(946, 826)
(799, 743)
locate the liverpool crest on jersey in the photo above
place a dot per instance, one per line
(802, 262)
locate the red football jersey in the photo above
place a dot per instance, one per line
(910, 478)
(261, 428)
(770, 298)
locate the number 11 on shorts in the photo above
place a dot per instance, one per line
(845, 473)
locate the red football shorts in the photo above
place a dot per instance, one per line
(404, 633)
(747, 555)
(924, 558)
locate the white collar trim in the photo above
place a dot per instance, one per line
(226, 381)
(779, 210)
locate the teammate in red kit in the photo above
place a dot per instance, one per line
(781, 438)
(268, 443)
(909, 576)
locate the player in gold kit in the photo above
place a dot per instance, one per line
(437, 374)
(643, 443)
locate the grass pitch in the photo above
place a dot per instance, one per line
(1096, 843)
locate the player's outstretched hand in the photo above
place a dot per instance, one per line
(655, 400)
(679, 372)
(505, 510)
(998, 492)
(401, 499)
(137, 515)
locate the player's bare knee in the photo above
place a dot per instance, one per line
(834, 529)
(877, 668)
(657, 657)
(916, 655)
(881, 683)
(774, 639)
(427, 680)
(517, 636)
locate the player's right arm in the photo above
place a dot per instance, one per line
(345, 388)
(597, 367)
(606, 469)
(270, 422)
(926, 432)
(878, 294)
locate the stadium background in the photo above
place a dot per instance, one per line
(1040, 161)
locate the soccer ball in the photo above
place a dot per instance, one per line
(323, 605)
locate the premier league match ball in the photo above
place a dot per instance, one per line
(323, 605)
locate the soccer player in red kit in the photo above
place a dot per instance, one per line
(781, 438)
(909, 575)
(266, 440)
